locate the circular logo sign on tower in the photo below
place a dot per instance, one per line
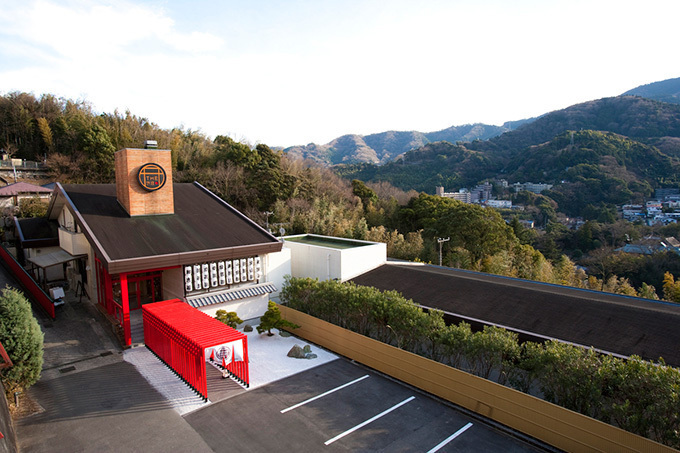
(151, 177)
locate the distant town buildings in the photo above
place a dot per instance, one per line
(651, 245)
(663, 210)
(480, 194)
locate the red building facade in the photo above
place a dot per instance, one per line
(146, 239)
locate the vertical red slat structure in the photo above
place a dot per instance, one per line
(182, 337)
(27, 281)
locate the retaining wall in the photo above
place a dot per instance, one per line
(540, 419)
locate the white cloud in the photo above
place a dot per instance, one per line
(299, 72)
(84, 29)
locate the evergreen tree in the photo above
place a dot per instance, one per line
(22, 338)
(272, 320)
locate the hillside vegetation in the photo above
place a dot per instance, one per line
(600, 153)
(275, 189)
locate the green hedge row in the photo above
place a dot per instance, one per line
(636, 395)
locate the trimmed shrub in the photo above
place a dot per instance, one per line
(229, 318)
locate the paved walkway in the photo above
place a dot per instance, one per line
(80, 338)
(178, 395)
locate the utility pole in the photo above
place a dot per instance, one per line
(268, 213)
(441, 242)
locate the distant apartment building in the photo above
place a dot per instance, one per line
(481, 192)
(531, 187)
(654, 210)
(499, 204)
(632, 212)
(664, 194)
(478, 194)
(462, 195)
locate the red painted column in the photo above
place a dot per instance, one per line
(126, 309)
(108, 292)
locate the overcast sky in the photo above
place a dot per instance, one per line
(293, 72)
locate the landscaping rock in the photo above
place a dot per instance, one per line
(302, 353)
(296, 352)
(248, 328)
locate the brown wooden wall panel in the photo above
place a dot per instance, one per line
(540, 419)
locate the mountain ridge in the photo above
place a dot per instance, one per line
(599, 153)
(665, 91)
(383, 147)
(639, 118)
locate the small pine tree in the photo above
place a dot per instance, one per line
(272, 320)
(22, 338)
(231, 319)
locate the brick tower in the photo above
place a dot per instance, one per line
(144, 181)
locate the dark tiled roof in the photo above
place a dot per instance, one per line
(618, 324)
(202, 228)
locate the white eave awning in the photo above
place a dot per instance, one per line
(52, 259)
(230, 295)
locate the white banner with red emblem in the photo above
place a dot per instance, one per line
(225, 353)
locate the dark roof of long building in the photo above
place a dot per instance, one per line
(617, 324)
(202, 228)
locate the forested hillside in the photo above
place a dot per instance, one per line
(435, 164)
(274, 188)
(592, 168)
(599, 153)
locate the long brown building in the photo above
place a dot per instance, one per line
(608, 322)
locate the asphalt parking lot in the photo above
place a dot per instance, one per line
(93, 400)
(341, 406)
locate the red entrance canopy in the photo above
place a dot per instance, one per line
(180, 334)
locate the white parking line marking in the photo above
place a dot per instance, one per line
(323, 394)
(370, 420)
(451, 437)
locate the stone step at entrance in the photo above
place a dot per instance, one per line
(136, 327)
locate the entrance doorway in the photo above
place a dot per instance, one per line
(144, 289)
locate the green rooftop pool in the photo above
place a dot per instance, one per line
(326, 242)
